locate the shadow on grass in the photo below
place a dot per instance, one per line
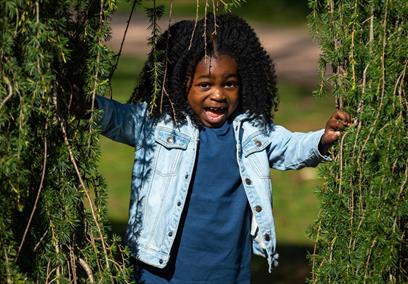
(293, 266)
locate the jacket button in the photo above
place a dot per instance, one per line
(170, 140)
(178, 203)
(186, 176)
(161, 261)
(170, 234)
(267, 237)
(248, 181)
(258, 143)
(258, 208)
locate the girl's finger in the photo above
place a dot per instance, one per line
(344, 116)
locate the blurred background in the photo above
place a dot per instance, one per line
(282, 29)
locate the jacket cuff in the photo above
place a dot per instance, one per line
(322, 157)
(102, 104)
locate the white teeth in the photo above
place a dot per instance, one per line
(216, 108)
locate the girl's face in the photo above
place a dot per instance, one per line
(214, 92)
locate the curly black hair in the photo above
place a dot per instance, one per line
(184, 44)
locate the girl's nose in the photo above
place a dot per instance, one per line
(217, 95)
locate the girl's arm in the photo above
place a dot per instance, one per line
(295, 150)
(121, 122)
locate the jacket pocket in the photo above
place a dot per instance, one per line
(254, 152)
(255, 143)
(170, 146)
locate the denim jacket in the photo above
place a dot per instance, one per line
(164, 161)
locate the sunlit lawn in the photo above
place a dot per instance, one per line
(295, 204)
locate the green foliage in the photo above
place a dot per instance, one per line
(53, 221)
(156, 70)
(362, 230)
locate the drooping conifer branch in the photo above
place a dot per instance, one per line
(163, 87)
(156, 71)
(52, 197)
(361, 232)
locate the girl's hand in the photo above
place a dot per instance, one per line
(334, 128)
(80, 105)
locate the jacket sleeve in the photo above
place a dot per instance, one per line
(121, 122)
(294, 150)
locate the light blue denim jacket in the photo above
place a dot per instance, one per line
(164, 161)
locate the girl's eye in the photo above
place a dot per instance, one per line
(204, 85)
(231, 84)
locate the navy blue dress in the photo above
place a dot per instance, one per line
(213, 244)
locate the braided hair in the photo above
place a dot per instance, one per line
(185, 43)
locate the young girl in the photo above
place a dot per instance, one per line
(201, 189)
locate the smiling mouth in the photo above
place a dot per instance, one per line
(216, 110)
(215, 115)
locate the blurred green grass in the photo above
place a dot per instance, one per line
(276, 12)
(295, 204)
